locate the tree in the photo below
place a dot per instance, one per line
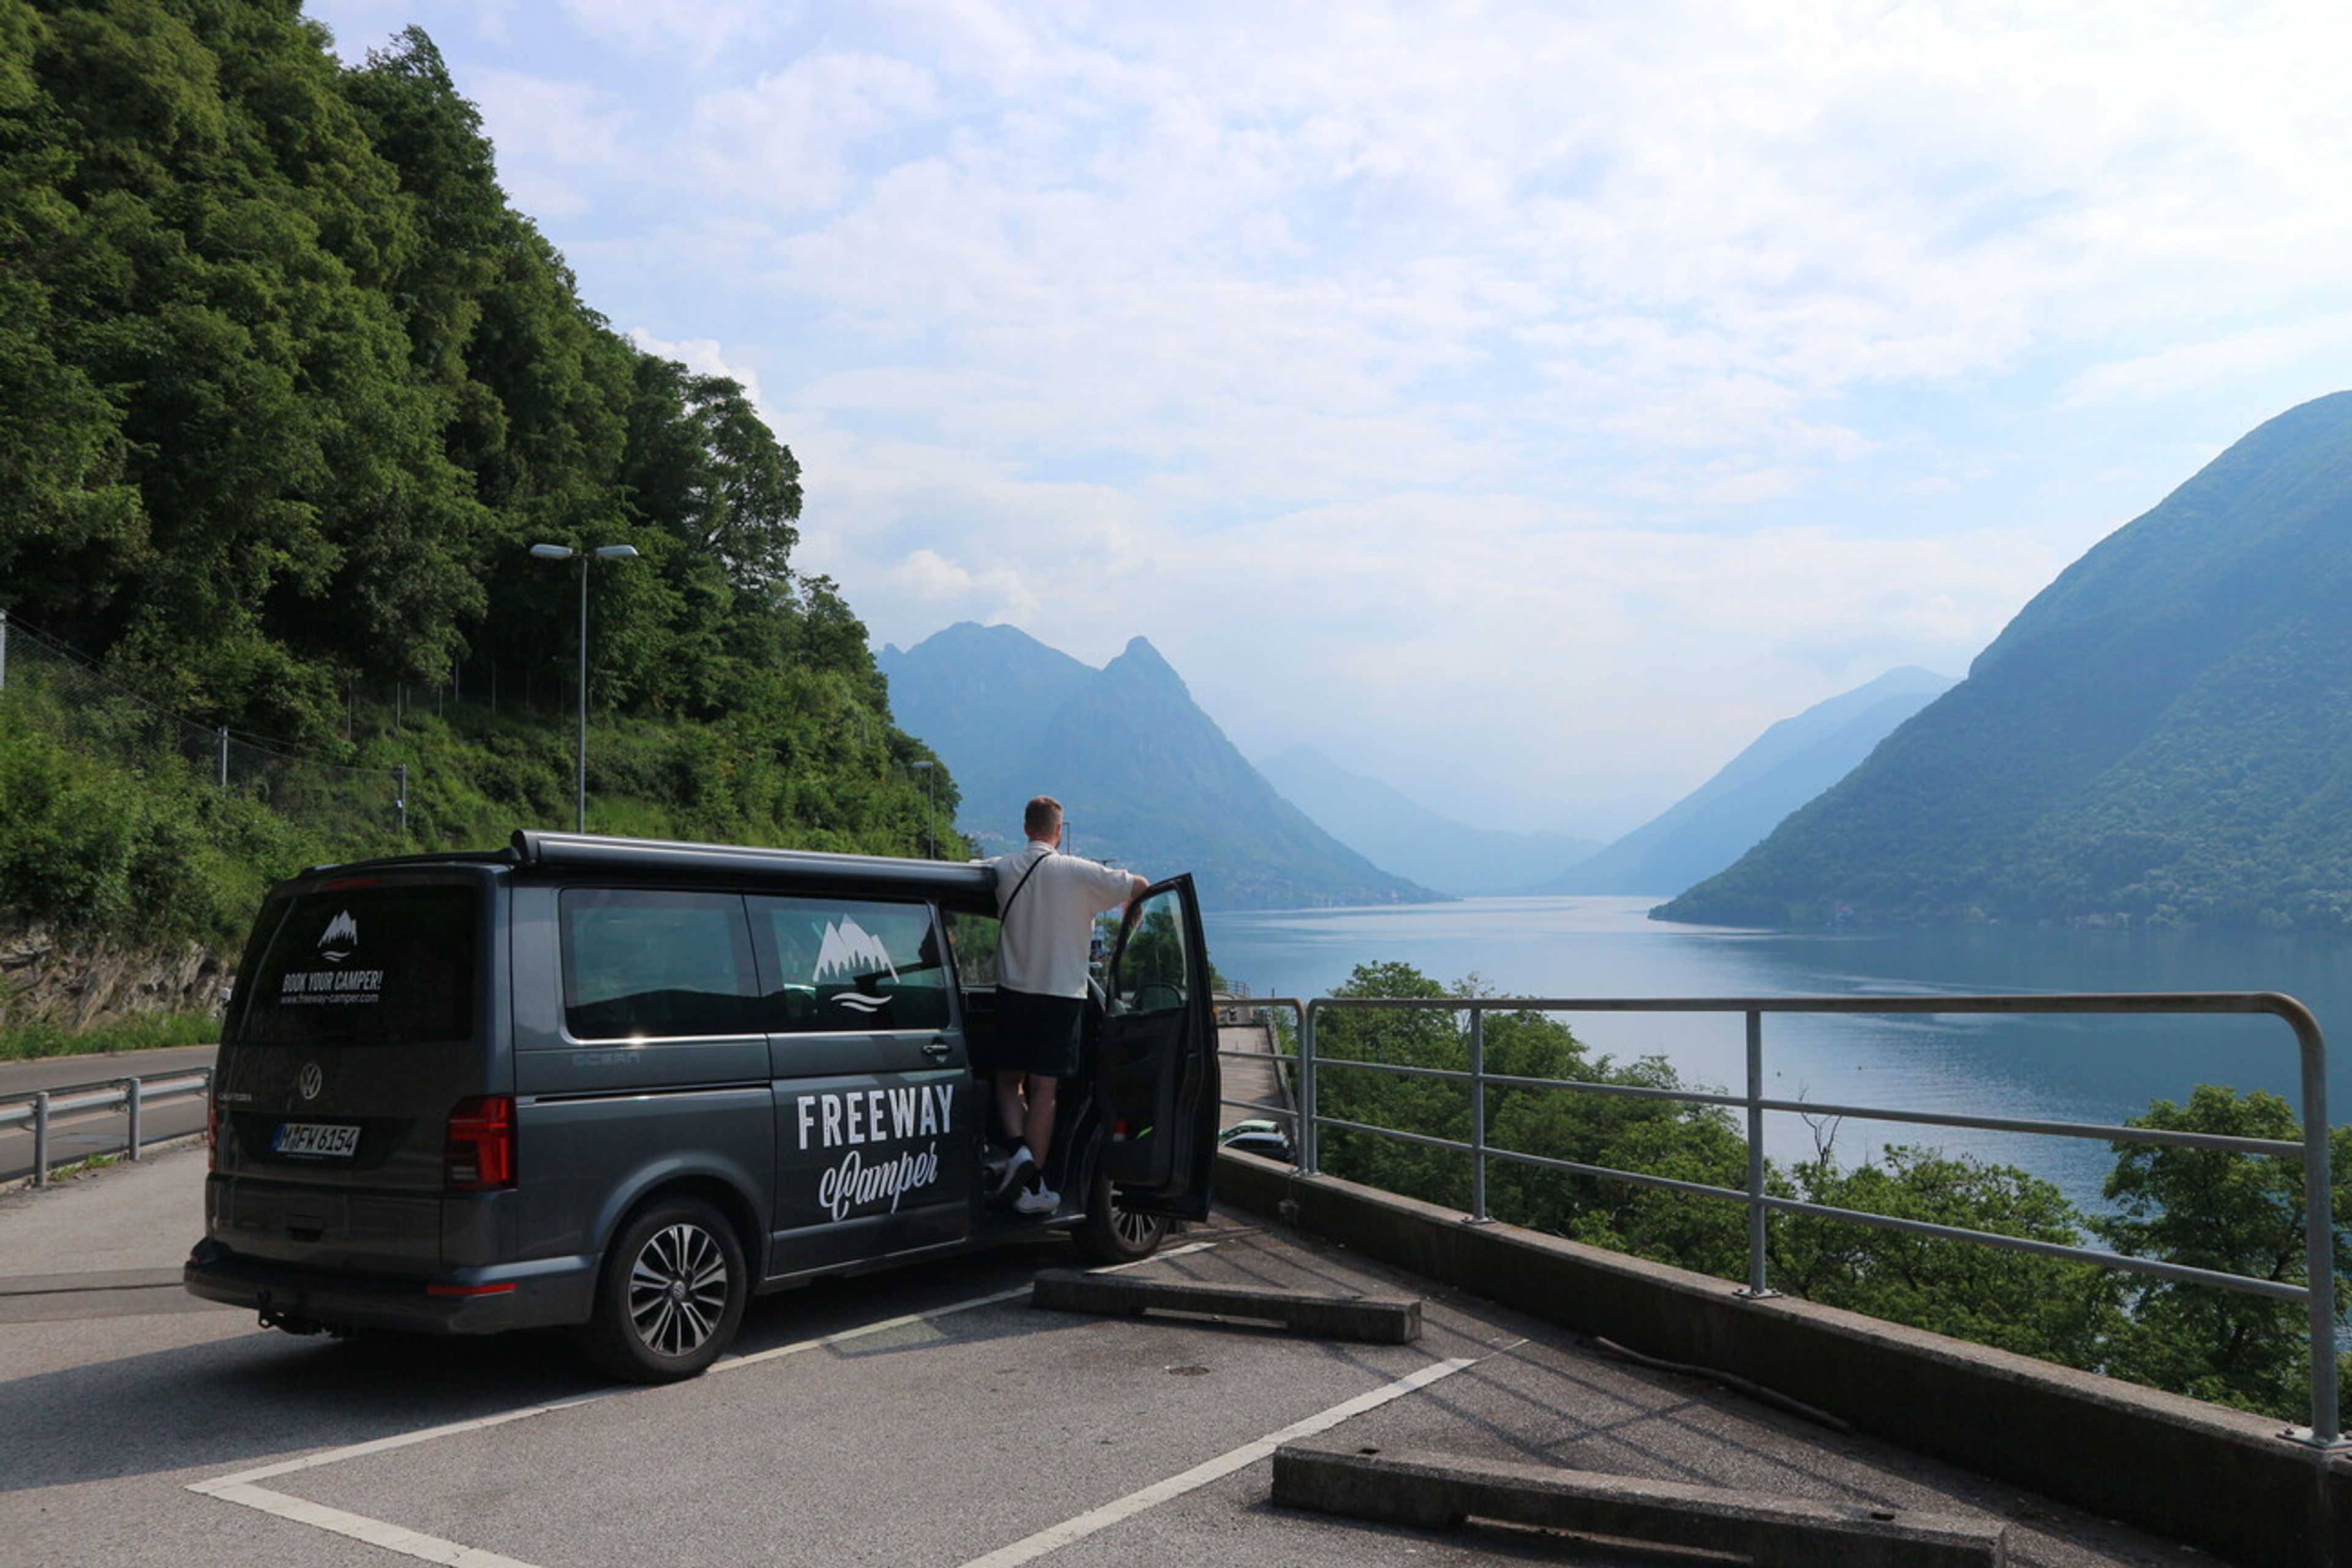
(747, 493)
(2235, 1213)
(1682, 1142)
(2061, 1312)
(206, 234)
(1419, 1038)
(68, 522)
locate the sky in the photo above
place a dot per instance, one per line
(1525, 404)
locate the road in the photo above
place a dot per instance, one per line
(928, 1416)
(1247, 1072)
(78, 1135)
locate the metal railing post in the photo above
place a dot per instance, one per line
(41, 1138)
(1478, 1114)
(1757, 1286)
(1306, 1140)
(2319, 1234)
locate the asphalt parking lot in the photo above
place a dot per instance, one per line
(927, 1416)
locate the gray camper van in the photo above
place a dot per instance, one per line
(625, 1085)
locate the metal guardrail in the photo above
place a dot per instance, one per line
(130, 1095)
(2317, 1294)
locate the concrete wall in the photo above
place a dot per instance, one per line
(2218, 1480)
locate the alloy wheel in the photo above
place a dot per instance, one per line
(678, 1289)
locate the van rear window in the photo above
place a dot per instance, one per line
(387, 965)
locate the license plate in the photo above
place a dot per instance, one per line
(323, 1140)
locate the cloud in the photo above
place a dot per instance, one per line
(704, 357)
(699, 30)
(1528, 403)
(2179, 368)
(783, 143)
(558, 142)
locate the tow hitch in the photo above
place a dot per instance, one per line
(290, 1322)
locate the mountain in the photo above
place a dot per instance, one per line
(1145, 778)
(2162, 736)
(1392, 829)
(983, 698)
(1788, 765)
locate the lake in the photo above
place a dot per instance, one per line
(2064, 1068)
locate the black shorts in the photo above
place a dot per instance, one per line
(1038, 1033)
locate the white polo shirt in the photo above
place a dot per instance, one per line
(1043, 947)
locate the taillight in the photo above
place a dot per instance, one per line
(481, 1148)
(212, 1132)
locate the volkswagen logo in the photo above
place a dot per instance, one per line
(312, 1081)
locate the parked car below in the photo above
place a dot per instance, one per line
(1257, 1136)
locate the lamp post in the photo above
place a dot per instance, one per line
(931, 796)
(602, 552)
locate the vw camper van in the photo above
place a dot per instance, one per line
(625, 1085)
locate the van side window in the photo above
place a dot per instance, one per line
(640, 964)
(832, 964)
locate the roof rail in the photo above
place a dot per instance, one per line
(533, 846)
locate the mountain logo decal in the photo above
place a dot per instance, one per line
(342, 935)
(849, 953)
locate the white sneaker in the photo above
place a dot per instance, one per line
(1039, 1199)
(1015, 1172)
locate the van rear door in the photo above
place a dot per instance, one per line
(356, 1032)
(1156, 1065)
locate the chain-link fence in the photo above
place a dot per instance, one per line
(95, 713)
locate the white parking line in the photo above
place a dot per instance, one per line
(385, 1444)
(374, 1532)
(239, 1488)
(1201, 1475)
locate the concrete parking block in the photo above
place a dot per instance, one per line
(1375, 1320)
(1435, 1491)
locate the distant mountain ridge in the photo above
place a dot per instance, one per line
(1785, 767)
(2162, 736)
(1392, 829)
(1146, 777)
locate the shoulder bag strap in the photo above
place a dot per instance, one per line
(1023, 883)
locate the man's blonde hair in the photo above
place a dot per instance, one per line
(1044, 814)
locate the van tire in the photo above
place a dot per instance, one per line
(671, 1295)
(1110, 1234)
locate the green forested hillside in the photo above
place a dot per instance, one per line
(2163, 736)
(288, 389)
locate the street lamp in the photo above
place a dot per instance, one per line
(602, 552)
(931, 841)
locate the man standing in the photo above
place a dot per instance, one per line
(1047, 902)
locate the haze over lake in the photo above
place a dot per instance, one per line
(2068, 1068)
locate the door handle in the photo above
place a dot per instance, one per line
(937, 1051)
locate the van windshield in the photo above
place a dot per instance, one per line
(367, 966)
